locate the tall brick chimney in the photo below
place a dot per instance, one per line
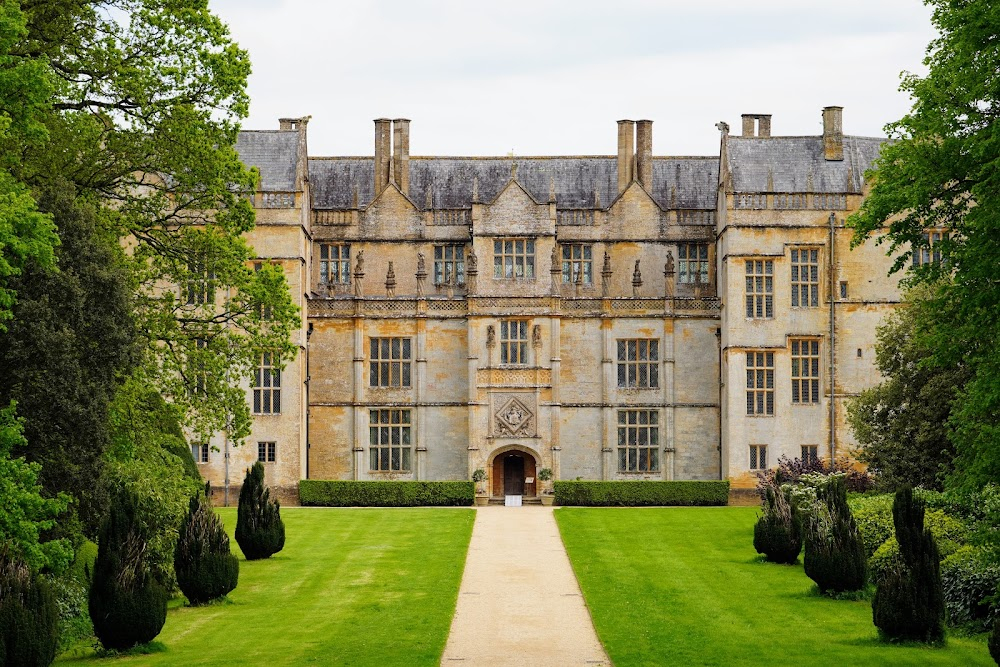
(644, 153)
(401, 154)
(626, 157)
(382, 155)
(756, 124)
(833, 133)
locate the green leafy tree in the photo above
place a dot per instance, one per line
(26, 235)
(25, 515)
(145, 104)
(149, 461)
(942, 172)
(64, 355)
(902, 423)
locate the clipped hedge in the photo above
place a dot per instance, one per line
(638, 493)
(330, 493)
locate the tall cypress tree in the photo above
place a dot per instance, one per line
(205, 567)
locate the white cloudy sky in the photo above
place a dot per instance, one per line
(551, 77)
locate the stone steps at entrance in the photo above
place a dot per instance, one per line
(525, 500)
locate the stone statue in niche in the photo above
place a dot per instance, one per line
(555, 257)
(536, 336)
(421, 274)
(491, 336)
(668, 268)
(390, 282)
(473, 262)
(359, 273)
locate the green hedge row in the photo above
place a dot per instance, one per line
(329, 493)
(632, 494)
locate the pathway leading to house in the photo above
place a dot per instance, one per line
(520, 603)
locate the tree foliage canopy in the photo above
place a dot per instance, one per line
(902, 423)
(942, 172)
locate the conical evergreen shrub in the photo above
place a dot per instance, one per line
(127, 605)
(259, 529)
(205, 567)
(835, 555)
(777, 533)
(29, 617)
(909, 601)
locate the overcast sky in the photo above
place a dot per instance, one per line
(542, 77)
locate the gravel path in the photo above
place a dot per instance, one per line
(520, 604)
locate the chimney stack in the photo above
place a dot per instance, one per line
(644, 153)
(833, 133)
(756, 125)
(382, 141)
(626, 157)
(401, 154)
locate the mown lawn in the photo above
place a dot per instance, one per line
(684, 586)
(351, 587)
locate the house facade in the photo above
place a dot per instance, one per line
(619, 317)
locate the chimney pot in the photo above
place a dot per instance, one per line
(833, 133)
(756, 124)
(401, 154)
(644, 153)
(626, 153)
(382, 154)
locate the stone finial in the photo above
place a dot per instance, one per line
(354, 196)
(390, 282)
(536, 336)
(429, 204)
(770, 179)
(475, 189)
(606, 275)
(491, 336)
(421, 274)
(723, 127)
(359, 273)
(636, 279)
(597, 197)
(552, 189)
(513, 170)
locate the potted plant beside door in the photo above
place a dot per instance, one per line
(479, 476)
(545, 475)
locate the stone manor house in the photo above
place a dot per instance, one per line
(621, 317)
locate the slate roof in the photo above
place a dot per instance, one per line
(274, 153)
(797, 164)
(684, 182)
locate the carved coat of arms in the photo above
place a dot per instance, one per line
(514, 419)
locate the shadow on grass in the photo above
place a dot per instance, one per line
(141, 649)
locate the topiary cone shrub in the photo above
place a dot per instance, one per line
(777, 533)
(834, 555)
(127, 605)
(259, 529)
(205, 567)
(29, 617)
(909, 600)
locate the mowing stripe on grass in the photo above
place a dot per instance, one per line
(684, 586)
(351, 587)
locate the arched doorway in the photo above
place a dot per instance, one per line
(511, 471)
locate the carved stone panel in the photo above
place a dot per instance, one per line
(514, 416)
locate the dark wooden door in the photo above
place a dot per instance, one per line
(513, 475)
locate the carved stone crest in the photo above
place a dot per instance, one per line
(514, 419)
